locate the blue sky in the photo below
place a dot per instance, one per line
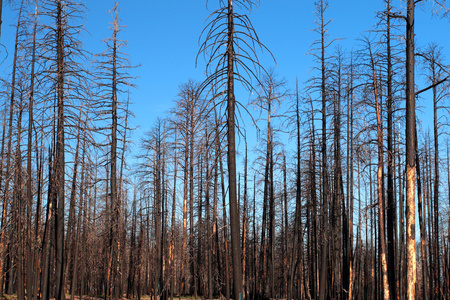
(163, 39)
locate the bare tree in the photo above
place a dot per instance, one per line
(270, 99)
(113, 76)
(380, 176)
(229, 45)
(319, 85)
(5, 187)
(410, 154)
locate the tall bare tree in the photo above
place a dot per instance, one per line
(270, 99)
(113, 79)
(410, 154)
(319, 85)
(380, 177)
(5, 185)
(229, 45)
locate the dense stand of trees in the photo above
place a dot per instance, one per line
(321, 206)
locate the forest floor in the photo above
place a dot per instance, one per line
(143, 297)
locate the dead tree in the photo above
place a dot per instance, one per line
(270, 99)
(229, 45)
(8, 174)
(410, 154)
(113, 80)
(380, 177)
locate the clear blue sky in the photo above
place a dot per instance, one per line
(163, 38)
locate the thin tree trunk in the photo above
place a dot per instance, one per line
(158, 213)
(199, 265)
(255, 242)
(428, 203)
(115, 204)
(421, 224)
(244, 228)
(71, 222)
(271, 198)
(231, 159)
(208, 225)
(18, 208)
(285, 231)
(3, 238)
(380, 189)
(352, 269)
(263, 248)
(185, 199)
(402, 242)
(436, 267)
(172, 229)
(217, 247)
(224, 211)
(163, 256)
(31, 258)
(48, 240)
(390, 207)
(323, 281)
(78, 225)
(132, 256)
(193, 262)
(314, 255)
(60, 153)
(39, 167)
(298, 234)
(225, 233)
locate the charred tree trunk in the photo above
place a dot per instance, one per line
(410, 155)
(436, 249)
(60, 154)
(115, 203)
(421, 224)
(390, 205)
(5, 187)
(31, 259)
(245, 229)
(323, 281)
(231, 159)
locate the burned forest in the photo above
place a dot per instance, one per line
(224, 149)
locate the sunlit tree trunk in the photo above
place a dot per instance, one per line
(410, 154)
(380, 185)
